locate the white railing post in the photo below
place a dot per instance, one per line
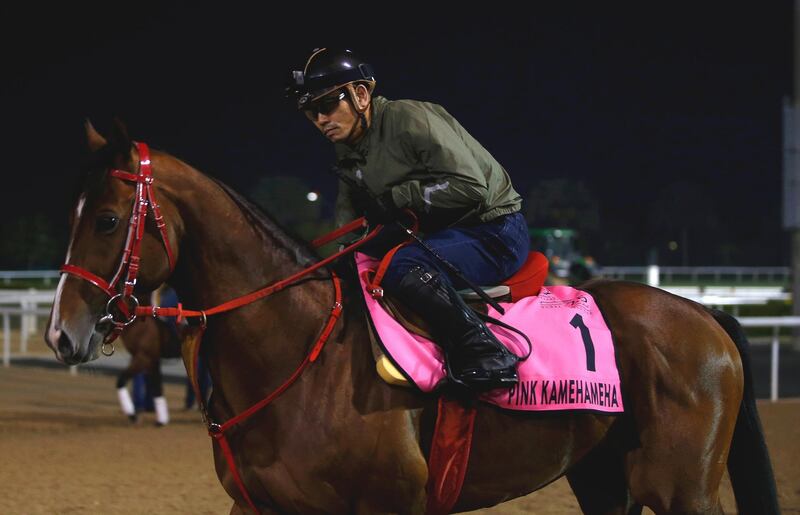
(23, 326)
(31, 310)
(34, 307)
(776, 323)
(6, 340)
(23, 322)
(27, 320)
(774, 369)
(652, 275)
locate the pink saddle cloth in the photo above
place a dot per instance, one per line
(572, 365)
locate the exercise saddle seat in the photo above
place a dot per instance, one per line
(525, 283)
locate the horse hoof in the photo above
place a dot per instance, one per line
(160, 424)
(133, 419)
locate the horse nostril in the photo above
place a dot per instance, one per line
(64, 345)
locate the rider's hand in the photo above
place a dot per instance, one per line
(381, 210)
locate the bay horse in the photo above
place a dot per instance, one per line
(148, 340)
(339, 439)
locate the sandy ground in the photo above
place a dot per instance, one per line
(67, 449)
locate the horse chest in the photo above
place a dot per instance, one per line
(371, 460)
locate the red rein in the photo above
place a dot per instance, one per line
(145, 198)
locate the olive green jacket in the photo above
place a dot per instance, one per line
(431, 164)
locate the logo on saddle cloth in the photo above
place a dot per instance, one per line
(572, 365)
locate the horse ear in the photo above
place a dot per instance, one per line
(93, 138)
(119, 139)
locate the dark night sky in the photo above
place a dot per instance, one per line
(626, 99)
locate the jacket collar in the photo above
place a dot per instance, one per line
(359, 151)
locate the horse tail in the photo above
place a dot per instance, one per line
(749, 465)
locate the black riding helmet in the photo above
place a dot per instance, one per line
(325, 71)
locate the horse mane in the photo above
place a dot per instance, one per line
(305, 254)
(285, 238)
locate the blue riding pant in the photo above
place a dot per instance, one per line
(486, 253)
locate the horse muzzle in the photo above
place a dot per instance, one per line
(69, 349)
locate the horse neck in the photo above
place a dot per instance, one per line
(225, 254)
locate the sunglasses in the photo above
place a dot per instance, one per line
(325, 105)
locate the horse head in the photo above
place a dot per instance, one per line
(119, 246)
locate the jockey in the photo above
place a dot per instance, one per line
(413, 155)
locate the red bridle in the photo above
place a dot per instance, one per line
(130, 260)
(123, 297)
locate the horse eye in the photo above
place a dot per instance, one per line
(106, 223)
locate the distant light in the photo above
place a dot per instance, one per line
(312, 196)
(673, 245)
(557, 233)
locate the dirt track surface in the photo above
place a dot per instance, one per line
(65, 448)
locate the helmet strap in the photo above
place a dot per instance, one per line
(351, 90)
(362, 118)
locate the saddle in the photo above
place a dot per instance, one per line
(526, 282)
(451, 441)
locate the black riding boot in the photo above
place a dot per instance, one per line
(473, 355)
